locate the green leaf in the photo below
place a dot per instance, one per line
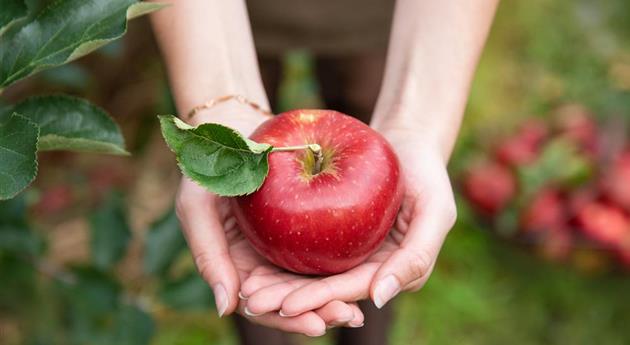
(132, 326)
(110, 233)
(190, 292)
(19, 240)
(71, 123)
(12, 11)
(13, 212)
(217, 157)
(560, 163)
(163, 244)
(62, 31)
(18, 154)
(92, 293)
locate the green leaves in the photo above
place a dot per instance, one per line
(189, 292)
(18, 147)
(12, 11)
(60, 32)
(110, 233)
(560, 163)
(63, 31)
(164, 242)
(217, 157)
(50, 123)
(74, 124)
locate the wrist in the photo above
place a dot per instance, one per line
(238, 116)
(418, 133)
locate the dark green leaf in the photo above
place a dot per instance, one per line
(70, 123)
(89, 302)
(12, 11)
(217, 157)
(19, 240)
(132, 326)
(189, 292)
(18, 154)
(13, 212)
(18, 283)
(163, 244)
(63, 31)
(92, 293)
(110, 233)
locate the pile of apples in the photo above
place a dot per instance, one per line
(561, 184)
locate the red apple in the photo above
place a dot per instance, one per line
(489, 186)
(54, 200)
(327, 221)
(616, 182)
(545, 212)
(624, 257)
(576, 123)
(604, 223)
(557, 244)
(524, 146)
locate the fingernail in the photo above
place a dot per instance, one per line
(241, 296)
(249, 313)
(286, 315)
(317, 334)
(356, 326)
(385, 290)
(220, 298)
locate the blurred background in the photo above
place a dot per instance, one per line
(543, 260)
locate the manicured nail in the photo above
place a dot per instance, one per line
(249, 313)
(220, 298)
(385, 290)
(286, 315)
(241, 296)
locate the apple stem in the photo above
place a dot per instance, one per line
(314, 148)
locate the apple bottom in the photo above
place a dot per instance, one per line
(317, 243)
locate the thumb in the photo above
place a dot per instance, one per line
(410, 265)
(201, 223)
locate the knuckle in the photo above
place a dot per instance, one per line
(419, 263)
(204, 263)
(450, 212)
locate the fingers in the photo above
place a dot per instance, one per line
(337, 313)
(257, 281)
(309, 323)
(269, 299)
(201, 223)
(349, 286)
(410, 265)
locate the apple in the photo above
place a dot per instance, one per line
(489, 186)
(546, 211)
(557, 244)
(523, 147)
(576, 124)
(54, 200)
(326, 217)
(616, 183)
(604, 223)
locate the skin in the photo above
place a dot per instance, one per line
(434, 49)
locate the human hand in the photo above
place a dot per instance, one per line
(405, 259)
(225, 258)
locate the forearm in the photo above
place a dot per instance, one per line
(433, 52)
(209, 52)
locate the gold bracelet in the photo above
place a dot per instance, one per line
(211, 103)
